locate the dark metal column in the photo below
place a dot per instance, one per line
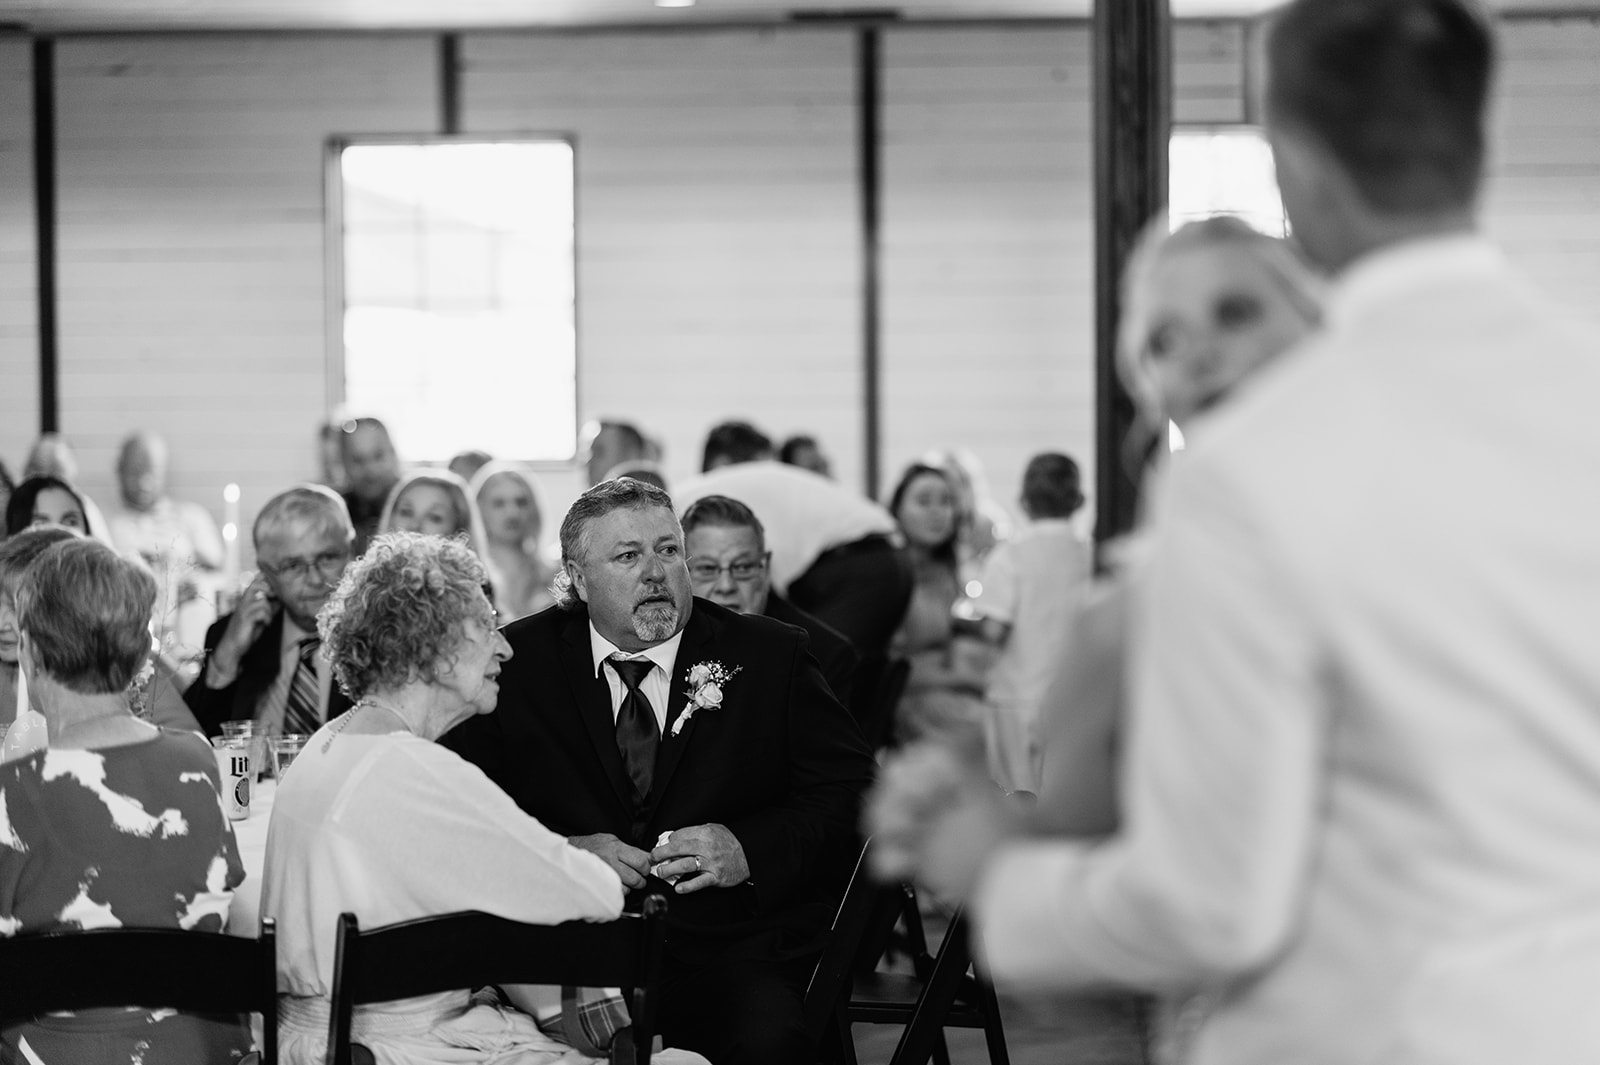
(450, 84)
(868, 104)
(44, 201)
(1132, 124)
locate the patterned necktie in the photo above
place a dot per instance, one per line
(638, 735)
(303, 712)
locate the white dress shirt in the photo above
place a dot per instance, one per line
(804, 514)
(1362, 774)
(657, 684)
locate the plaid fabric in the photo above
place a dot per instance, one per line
(589, 1020)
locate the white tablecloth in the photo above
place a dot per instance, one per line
(244, 914)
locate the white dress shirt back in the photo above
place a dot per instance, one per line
(1362, 779)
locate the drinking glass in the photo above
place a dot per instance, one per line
(284, 750)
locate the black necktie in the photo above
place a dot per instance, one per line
(638, 736)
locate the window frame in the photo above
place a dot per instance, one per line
(334, 280)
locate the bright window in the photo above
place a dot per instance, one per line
(1224, 170)
(459, 295)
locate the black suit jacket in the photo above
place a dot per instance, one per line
(258, 669)
(780, 763)
(829, 647)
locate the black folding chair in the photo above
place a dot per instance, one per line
(877, 696)
(941, 992)
(457, 950)
(154, 968)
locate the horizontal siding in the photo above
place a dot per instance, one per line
(19, 320)
(1543, 195)
(718, 268)
(989, 235)
(192, 242)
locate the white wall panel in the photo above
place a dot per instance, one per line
(989, 236)
(19, 294)
(718, 269)
(192, 241)
(1543, 201)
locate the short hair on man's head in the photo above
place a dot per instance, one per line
(633, 441)
(640, 470)
(397, 613)
(791, 448)
(351, 426)
(734, 442)
(1395, 89)
(1052, 486)
(86, 611)
(619, 493)
(724, 513)
(18, 552)
(309, 503)
(19, 508)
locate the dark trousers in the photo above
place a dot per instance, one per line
(862, 589)
(739, 1012)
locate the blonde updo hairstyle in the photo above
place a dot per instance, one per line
(1297, 284)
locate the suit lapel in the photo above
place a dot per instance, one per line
(697, 635)
(591, 701)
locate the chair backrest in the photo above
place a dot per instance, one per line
(469, 950)
(155, 968)
(867, 907)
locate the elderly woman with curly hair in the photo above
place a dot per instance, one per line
(376, 818)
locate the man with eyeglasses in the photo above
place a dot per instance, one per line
(262, 662)
(729, 564)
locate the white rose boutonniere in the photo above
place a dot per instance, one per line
(706, 681)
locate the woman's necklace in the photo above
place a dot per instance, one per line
(349, 715)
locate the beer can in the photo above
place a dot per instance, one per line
(234, 769)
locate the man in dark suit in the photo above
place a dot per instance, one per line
(729, 564)
(261, 660)
(677, 739)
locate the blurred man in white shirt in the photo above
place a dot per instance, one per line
(1362, 772)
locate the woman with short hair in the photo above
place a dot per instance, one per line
(376, 818)
(116, 824)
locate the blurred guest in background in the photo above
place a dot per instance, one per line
(330, 455)
(372, 469)
(52, 456)
(117, 823)
(833, 551)
(46, 500)
(378, 819)
(513, 523)
(157, 692)
(944, 693)
(7, 485)
(467, 464)
(1363, 762)
(607, 444)
(16, 554)
(640, 470)
(981, 523)
(179, 541)
(435, 502)
(1030, 593)
(263, 661)
(805, 452)
(728, 560)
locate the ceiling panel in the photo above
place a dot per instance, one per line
(89, 15)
